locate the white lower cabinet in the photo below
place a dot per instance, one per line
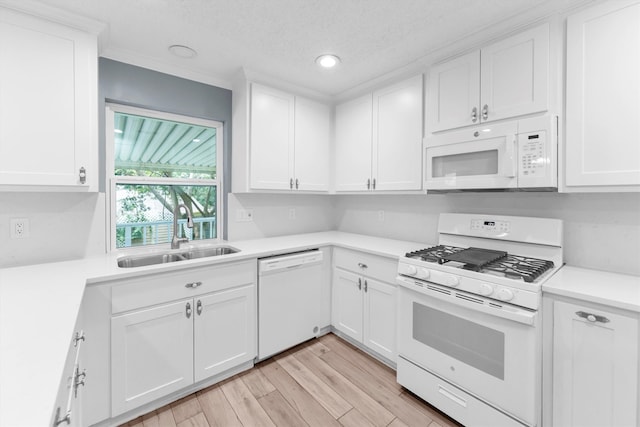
(364, 300)
(595, 366)
(151, 354)
(161, 343)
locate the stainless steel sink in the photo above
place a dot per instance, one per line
(174, 256)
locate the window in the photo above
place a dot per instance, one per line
(156, 162)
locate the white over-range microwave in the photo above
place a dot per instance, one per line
(519, 155)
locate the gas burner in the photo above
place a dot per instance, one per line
(519, 267)
(434, 254)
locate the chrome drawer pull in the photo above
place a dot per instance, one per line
(193, 285)
(361, 265)
(592, 317)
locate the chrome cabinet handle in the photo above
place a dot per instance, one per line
(374, 183)
(79, 380)
(297, 183)
(291, 183)
(361, 265)
(368, 183)
(199, 307)
(592, 317)
(366, 286)
(474, 114)
(188, 310)
(485, 112)
(82, 175)
(359, 284)
(193, 285)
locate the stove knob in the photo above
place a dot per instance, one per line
(412, 270)
(504, 295)
(452, 281)
(485, 289)
(423, 273)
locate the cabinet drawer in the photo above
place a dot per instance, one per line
(381, 268)
(160, 288)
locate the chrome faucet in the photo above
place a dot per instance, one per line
(175, 242)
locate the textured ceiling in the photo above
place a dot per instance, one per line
(281, 38)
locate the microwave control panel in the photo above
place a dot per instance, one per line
(533, 157)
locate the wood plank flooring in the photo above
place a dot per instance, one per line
(323, 382)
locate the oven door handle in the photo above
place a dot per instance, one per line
(469, 301)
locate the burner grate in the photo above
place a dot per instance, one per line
(520, 267)
(434, 253)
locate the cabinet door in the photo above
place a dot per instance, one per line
(48, 103)
(151, 354)
(380, 318)
(225, 330)
(454, 93)
(515, 75)
(603, 95)
(353, 144)
(272, 132)
(397, 136)
(346, 306)
(312, 124)
(595, 367)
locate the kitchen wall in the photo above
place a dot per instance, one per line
(273, 216)
(63, 226)
(601, 231)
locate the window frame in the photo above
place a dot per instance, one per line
(112, 180)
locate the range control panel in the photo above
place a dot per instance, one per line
(495, 227)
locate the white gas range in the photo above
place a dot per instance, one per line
(469, 335)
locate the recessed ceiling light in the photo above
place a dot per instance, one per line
(182, 51)
(327, 60)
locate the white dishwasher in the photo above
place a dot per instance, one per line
(289, 291)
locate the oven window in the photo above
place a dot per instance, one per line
(466, 164)
(466, 341)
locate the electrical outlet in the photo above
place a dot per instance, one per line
(244, 215)
(380, 216)
(19, 228)
(292, 213)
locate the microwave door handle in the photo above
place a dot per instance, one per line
(510, 158)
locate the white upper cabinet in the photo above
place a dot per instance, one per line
(48, 105)
(603, 98)
(506, 79)
(312, 135)
(272, 115)
(289, 142)
(379, 140)
(353, 144)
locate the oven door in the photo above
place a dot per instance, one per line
(479, 158)
(486, 348)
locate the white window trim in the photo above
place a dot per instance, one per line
(110, 111)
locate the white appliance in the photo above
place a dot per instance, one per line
(289, 291)
(510, 156)
(469, 331)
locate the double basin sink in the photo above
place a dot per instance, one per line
(174, 255)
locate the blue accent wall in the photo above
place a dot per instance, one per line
(127, 84)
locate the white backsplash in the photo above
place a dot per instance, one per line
(601, 231)
(63, 226)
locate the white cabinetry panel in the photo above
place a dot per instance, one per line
(151, 354)
(509, 78)
(225, 331)
(48, 104)
(603, 97)
(595, 367)
(272, 138)
(354, 128)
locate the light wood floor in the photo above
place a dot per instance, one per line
(323, 382)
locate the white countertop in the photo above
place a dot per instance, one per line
(39, 305)
(616, 290)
